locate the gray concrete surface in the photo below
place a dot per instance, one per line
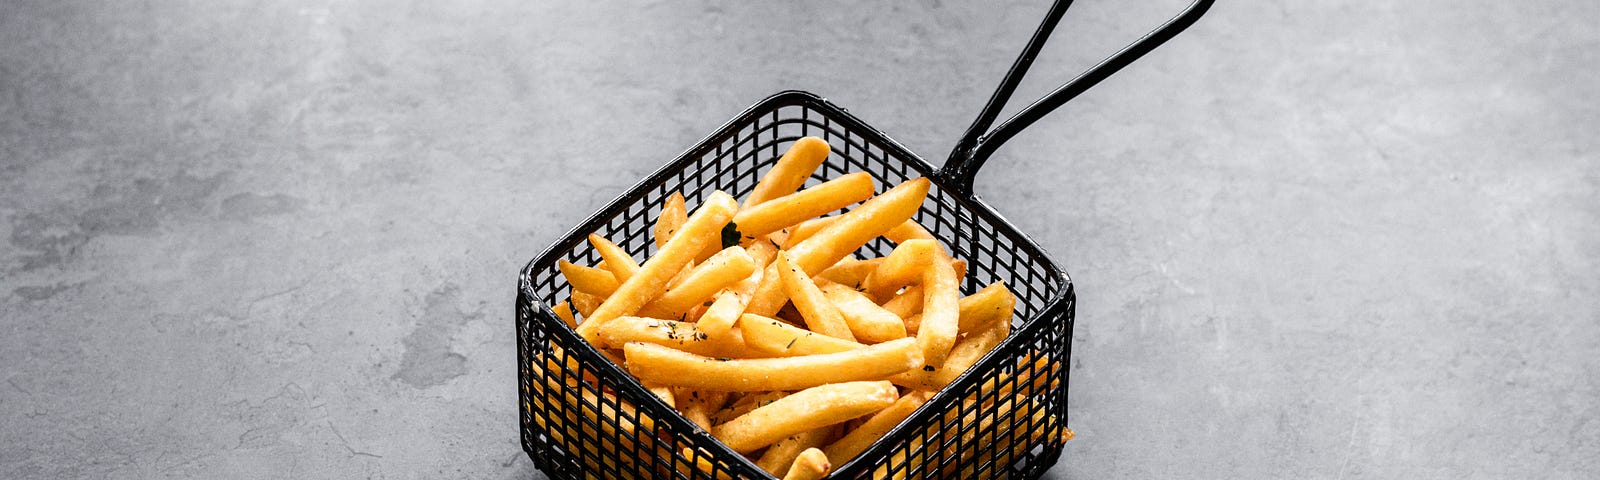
(1312, 239)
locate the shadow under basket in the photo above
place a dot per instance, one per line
(582, 416)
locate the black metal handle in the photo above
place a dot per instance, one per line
(976, 146)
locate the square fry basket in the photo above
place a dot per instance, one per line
(583, 416)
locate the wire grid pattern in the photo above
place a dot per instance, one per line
(584, 417)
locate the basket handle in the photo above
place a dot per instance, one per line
(975, 146)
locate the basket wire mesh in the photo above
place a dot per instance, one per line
(582, 416)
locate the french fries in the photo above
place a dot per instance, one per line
(782, 342)
(776, 338)
(703, 227)
(820, 314)
(941, 310)
(869, 322)
(812, 464)
(725, 268)
(808, 409)
(620, 264)
(659, 365)
(791, 171)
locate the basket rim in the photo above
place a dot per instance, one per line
(1063, 299)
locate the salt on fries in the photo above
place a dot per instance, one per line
(866, 342)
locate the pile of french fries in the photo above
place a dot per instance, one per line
(757, 323)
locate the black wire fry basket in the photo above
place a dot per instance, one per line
(583, 416)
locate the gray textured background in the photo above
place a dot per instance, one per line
(1312, 239)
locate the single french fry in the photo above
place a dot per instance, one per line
(808, 409)
(903, 266)
(776, 338)
(806, 229)
(679, 335)
(563, 311)
(585, 303)
(703, 227)
(869, 322)
(778, 457)
(590, 280)
(667, 366)
(985, 307)
(850, 272)
(876, 426)
(791, 171)
(811, 464)
(820, 314)
(755, 221)
(618, 262)
(725, 268)
(853, 229)
(673, 216)
(907, 230)
(941, 311)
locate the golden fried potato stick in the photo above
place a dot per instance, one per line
(850, 272)
(903, 266)
(590, 280)
(853, 229)
(791, 171)
(727, 267)
(563, 311)
(869, 322)
(668, 333)
(778, 457)
(876, 426)
(617, 260)
(986, 307)
(820, 314)
(811, 464)
(808, 409)
(941, 310)
(773, 337)
(660, 365)
(755, 221)
(908, 230)
(703, 227)
(673, 216)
